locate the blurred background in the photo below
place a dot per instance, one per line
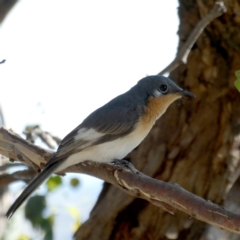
(63, 60)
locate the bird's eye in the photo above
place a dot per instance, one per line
(163, 88)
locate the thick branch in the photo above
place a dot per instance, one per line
(166, 195)
(217, 10)
(158, 192)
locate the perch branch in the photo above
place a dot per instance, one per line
(181, 57)
(166, 195)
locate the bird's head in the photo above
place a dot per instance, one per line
(159, 92)
(159, 86)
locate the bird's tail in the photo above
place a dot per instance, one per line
(32, 186)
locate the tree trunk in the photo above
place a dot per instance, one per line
(5, 7)
(195, 144)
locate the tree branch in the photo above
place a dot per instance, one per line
(166, 195)
(24, 175)
(9, 165)
(217, 10)
(2, 122)
(15, 147)
(33, 132)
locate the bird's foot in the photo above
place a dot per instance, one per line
(125, 164)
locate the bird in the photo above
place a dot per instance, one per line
(112, 131)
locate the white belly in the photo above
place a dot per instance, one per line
(108, 151)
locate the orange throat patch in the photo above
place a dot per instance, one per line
(156, 107)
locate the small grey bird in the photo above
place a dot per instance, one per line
(112, 131)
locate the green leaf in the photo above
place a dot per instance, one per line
(74, 182)
(54, 182)
(34, 208)
(237, 83)
(33, 212)
(46, 226)
(238, 74)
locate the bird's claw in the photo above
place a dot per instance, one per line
(125, 164)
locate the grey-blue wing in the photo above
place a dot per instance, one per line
(115, 119)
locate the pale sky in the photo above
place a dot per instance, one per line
(64, 59)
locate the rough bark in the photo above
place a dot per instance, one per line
(195, 144)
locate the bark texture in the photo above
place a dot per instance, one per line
(195, 144)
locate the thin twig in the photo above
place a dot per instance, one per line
(33, 132)
(217, 10)
(24, 175)
(2, 121)
(10, 165)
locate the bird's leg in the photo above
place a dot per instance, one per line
(125, 164)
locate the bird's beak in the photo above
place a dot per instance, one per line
(187, 93)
